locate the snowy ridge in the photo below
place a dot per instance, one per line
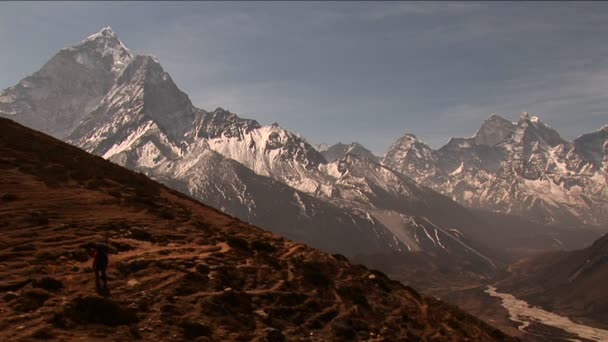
(523, 168)
(339, 150)
(106, 44)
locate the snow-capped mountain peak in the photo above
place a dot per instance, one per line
(265, 149)
(105, 32)
(340, 150)
(321, 147)
(143, 99)
(522, 168)
(493, 130)
(530, 129)
(412, 156)
(69, 86)
(221, 123)
(104, 44)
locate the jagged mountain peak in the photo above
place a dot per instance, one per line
(322, 147)
(105, 32)
(163, 101)
(493, 130)
(411, 136)
(526, 119)
(69, 86)
(221, 110)
(223, 123)
(144, 68)
(353, 157)
(530, 129)
(594, 146)
(103, 45)
(495, 116)
(411, 156)
(458, 143)
(407, 141)
(144, 99)
(353, 146)
(340, 149)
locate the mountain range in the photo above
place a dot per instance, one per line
(448, 220)
(523, 168)
(457, 203)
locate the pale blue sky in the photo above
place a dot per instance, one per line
(364, 71)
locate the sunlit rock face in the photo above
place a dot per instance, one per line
(69, 86)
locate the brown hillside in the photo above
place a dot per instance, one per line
(179, 270)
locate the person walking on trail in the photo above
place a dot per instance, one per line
(100, 264)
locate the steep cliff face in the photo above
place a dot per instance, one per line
(593, 147)
(69, 86)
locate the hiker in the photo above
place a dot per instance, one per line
(100, 263)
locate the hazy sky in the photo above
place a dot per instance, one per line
(360, 71)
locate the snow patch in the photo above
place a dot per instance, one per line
(8, 113)
(438, 240)
(149, 155)
(126, 144)
(7, 98)
(458, 170)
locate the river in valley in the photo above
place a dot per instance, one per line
(523, 314)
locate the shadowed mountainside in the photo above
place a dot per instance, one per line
(179, 270)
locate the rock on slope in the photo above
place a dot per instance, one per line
(179, 270)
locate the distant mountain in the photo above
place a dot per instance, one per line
(178, 270)
(412, 157)
(571, 283)
(69, 86)
(593, 147)
(523, 168)
(340, 150)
